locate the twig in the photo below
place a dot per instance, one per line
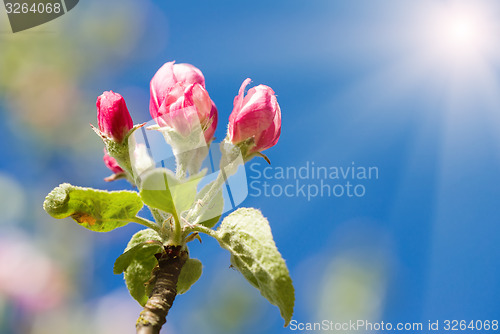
(153, 317)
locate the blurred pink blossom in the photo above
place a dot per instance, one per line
(28, 277)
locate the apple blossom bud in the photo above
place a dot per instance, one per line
(113, 117)
(166, 78)
(256, 116)
(111, 163)
(187, 107)
(211, 124)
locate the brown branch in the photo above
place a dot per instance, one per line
(153, 317)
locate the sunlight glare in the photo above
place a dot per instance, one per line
(459, 34)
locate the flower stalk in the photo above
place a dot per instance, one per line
(147, 223)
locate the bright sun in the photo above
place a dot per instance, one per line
(457, 34)
(461, 33)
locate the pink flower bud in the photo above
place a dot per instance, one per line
(211, 124)
(166, 78)
(185, 107)
(256, 115)
(111, 163)
(113, 117)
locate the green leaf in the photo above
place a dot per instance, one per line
(212, 214)
(143, 236)
(190, 273)
(96, 210)
(139, 263)
(162, 190)
(124, 260)
(247, 235)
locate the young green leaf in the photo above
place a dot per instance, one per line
(247, 235)
(96, 210)
(162, 190)
(212, 214)
(143, 236)
(139, 263)
(138, 251)
(190, 273)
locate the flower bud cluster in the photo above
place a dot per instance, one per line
(183, 110)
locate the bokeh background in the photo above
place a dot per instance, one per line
(408, 86)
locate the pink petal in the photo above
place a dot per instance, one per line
(113, 117)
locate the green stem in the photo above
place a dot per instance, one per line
(202, 229)
(200, 207)
(177, 240)
(158, 216)
(147, 223)
(182, 160)
(228, 166)
(180, 171)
